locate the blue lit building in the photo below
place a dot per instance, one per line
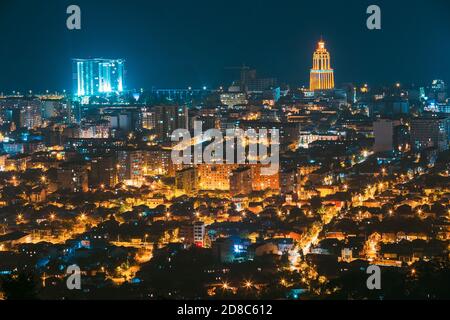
(94, 77)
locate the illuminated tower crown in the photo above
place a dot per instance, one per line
(322, 76)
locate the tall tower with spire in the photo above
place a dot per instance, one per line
(322, 75)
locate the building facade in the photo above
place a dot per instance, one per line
(167, 119)
(92, 77)
(430, 132)
(241, 181)
(322, 75)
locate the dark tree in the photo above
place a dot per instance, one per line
(22, 287)
(316, 203)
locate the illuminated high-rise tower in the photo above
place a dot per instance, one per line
(322, 76)
(93, 77)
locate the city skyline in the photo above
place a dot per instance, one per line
(257, 152)
(162, 52)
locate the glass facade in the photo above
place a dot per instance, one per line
(93, 77)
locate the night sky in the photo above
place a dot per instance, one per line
(181, 43)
